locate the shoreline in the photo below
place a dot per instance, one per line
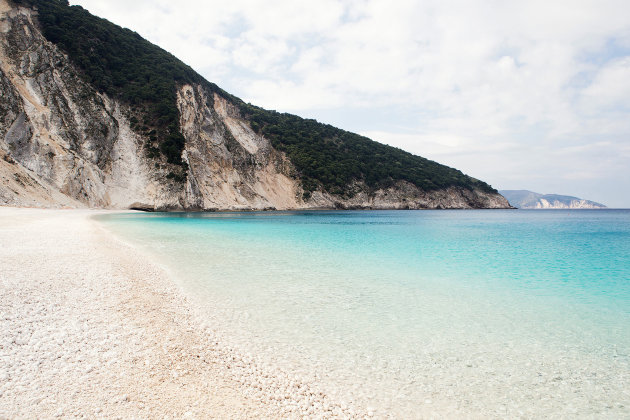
(93, 327)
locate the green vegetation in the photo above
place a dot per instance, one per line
(335, 158)
(122, 64)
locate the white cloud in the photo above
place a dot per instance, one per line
(501, 89)
(610, 90)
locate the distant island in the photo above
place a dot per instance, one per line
(524, 199)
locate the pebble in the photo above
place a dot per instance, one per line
(72, 343)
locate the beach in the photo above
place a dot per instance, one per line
(109, 314)
(91, 327)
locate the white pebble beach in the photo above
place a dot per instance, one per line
(92, 327)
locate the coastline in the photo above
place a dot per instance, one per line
(91, 326)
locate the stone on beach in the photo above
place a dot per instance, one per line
(90, 326)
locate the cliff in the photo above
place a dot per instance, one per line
(65, 140)
(524, 199)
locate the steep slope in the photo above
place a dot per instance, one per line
(524, 199)
(93, 115)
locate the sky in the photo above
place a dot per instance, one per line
(521, 94)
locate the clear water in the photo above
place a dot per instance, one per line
(414, 313)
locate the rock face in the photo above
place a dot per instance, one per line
(530, 200)
(62, 143)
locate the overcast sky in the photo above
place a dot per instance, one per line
(522, 94)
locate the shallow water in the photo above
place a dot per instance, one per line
(482, 313)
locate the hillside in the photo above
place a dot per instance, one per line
(196, 146)
(524, 199)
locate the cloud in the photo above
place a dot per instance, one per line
(610, 89)
(482, 85)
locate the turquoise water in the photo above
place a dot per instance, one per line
(482, 313)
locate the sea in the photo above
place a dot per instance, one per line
(447, 313)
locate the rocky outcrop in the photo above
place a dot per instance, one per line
(62, 143)
(230, 166)
(530, 200)
(59, 131)
(576, 203)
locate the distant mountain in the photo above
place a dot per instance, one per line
(524, 199)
